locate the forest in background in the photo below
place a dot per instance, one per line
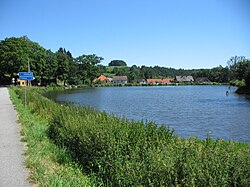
(61, 67)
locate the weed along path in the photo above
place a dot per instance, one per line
(12, 168)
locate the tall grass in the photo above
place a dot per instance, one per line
(131, 153)
(49, 165)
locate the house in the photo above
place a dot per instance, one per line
(184, 79)
(120, 80)
(103, 79)
(109, 80)
(202, 80)
(160, 81)
(22, 82)
(140, 81)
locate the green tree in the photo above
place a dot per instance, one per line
(63, 65)
(219, 74)
(247, 74)
(117, 63)
(102, 69)
(87, 66)
(240, 69)
(148, 72)
(15, 53)
(232, 65)
(73, 74)
(120, 72)
(134, 73)
(50, 68)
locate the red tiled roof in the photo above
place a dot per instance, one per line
(102, 78)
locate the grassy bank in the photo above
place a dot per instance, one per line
(49, 164)
(119, 152)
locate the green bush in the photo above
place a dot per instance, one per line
(239, 83)
(131, 153)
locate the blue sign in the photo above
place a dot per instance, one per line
(25, 74)
(28, 76)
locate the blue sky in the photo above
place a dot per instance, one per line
(171, 33)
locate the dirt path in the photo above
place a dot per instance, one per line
(12, 169)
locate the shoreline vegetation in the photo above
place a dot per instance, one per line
(80, 146)
(19, 54)
(241, 89)
(137, 84)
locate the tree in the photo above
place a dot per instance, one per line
(73, 74)
(240, 69)
(148, 72)
(50, 68)
(247, 74)
(117, 63)
(15, 53)
(62, 65)
(232, 63)
(219, 74)
(134, 73)
(88, 69)
(102, 69)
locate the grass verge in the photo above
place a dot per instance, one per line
(49, 165)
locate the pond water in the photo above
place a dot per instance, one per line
(190, 110)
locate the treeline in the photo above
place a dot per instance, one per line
(238, 69)
(218, 74)
(16, 54)
(62, 68)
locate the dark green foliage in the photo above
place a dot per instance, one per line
(240, 72)
(117, 63)
(50, 68)
(63, 62)
(87, 66)
(247, 74)
(15, 53)
(47, 67)
(131, 153)
(218, 74)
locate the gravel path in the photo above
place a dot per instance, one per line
(12, 169)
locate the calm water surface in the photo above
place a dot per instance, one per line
(190, 110)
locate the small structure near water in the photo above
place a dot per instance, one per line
(103, 79)
(160, 81)
(120, 80)
(184, 79)
(202, 80)
(140, 81)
